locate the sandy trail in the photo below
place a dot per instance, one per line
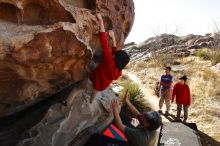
(148, 95)
(152, 99)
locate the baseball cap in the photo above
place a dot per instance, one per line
(183, 78)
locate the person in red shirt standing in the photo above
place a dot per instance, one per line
(111, 64)
(181, 92)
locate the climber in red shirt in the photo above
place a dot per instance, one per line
(111, 64)
(181, 92)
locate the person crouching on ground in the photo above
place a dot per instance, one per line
(144, 134)
(181, 92)
(112, 63)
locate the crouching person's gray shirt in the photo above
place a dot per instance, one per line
(140, 137)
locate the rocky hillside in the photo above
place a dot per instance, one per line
(46, 46)
(171, 44)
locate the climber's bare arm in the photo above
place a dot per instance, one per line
(131, 107)
(101, 23)
(115, 108)
(112, 36)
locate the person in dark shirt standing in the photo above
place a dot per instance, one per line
(181, 92)
(165, 89)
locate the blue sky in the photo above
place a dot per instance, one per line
(179, 17)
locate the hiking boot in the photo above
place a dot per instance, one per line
(177, 119)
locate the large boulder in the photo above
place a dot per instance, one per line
(47, 44)
(66, 118)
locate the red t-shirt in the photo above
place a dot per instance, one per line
(106, 71)
(182, 94)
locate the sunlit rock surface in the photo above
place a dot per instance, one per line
(46, 48)
(45, 45)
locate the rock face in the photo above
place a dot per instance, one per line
(72, 124)
(66, 118)
(46, 48)
(45, 45)
(171, 44)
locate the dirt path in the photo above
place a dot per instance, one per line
(154, 100)
(148, 95)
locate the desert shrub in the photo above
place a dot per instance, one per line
(162, 60)
(136, 97)
(204, 54)
(215, 57)
(207, 54)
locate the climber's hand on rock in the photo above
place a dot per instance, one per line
(99, 16)
(101, 23)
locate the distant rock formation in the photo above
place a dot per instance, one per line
(171, 44)
(47, 45)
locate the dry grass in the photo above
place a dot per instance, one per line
(188, 60)
(135, 95)
(205, 90)
(204, 53)
(205, 109)
(207, 54)
(162, 60)
(140, 65)
(215, 57)
(156, 61)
